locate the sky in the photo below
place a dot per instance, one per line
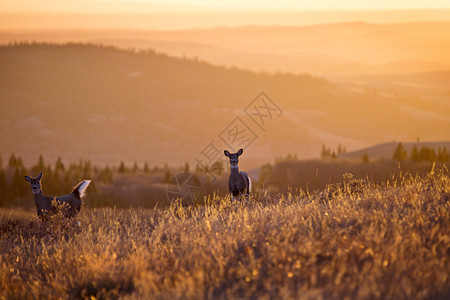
(177, 14)
(115, 6)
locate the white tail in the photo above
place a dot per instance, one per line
(82, 188)
(45, 204)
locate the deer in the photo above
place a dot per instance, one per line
(47, 206)
(239, 182)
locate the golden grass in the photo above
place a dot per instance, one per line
(355, 240)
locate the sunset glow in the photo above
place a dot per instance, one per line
(168, 15)
(118, 6)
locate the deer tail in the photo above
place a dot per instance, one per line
(80, 189)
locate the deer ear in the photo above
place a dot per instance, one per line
(28, 178)
(240, 152)
(227, 154)
(39, 176)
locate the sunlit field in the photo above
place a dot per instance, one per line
(355, 239)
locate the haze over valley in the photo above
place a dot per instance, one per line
(107, 105)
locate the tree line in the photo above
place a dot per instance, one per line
(425, 154)
(59, 178)
(110, 183)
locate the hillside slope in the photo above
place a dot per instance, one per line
(386, 150)
(323, 49)
(86, 101)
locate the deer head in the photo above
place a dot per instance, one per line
(234, 157)
(35, 183)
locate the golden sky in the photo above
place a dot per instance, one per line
(177, 14)
(116, 6)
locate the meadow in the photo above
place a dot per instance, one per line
(356, 239)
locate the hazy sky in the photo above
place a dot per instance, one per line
(177, 14)
(231, 5)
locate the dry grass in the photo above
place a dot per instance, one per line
(354, 240)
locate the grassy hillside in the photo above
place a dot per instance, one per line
(106, 105)
(360, 241)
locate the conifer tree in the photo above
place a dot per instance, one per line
(186, 167)
(365, 158)
(4, 188)
(122, 168)
(443, 155)
(135, 168)
(59, 166)
(12, 161)
(400, 153)
(415, 154)
(18, 186)
(167, 177)
(40, 165)
(146, 168)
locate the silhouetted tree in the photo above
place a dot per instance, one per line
(15, 162)
(333, 155)
(87, 169)
(427, 154)
(12, 161)
(18, 184)
(167, 177)
(365, 158)
(4, 188)
(326, 152)
(400, 153)
(443, 155)
(266, 173)
(186, 167)
(39, 166)
(146, 168)
(59, 166)
(67, 182)
(415, 154)
(135, 168)
(105, 175)
(122, 168)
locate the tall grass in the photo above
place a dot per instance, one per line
(355, 240)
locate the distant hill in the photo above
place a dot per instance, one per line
(105, 104)
(323, 50)
(386, 150)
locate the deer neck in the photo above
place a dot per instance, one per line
(40, 201)
(234, 169)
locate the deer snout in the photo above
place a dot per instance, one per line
(234, 162)
(35, 189)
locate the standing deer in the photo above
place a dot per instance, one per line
(45, 205)
(239, 182)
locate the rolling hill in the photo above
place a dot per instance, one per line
(331, 50)
(106, 104)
